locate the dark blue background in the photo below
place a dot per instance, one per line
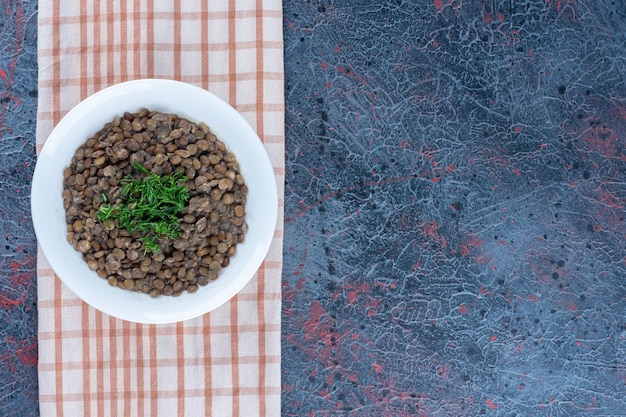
(454, 238)
(454, 208)
(18, 247)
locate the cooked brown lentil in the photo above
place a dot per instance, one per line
(212, 224)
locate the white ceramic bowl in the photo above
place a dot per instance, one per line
(186, 101)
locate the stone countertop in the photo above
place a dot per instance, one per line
(18, 246)
(456, 182)
(454, 208)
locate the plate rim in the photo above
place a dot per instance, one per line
(43, 162)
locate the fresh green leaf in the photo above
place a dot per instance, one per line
(105, 212)
(149, 244)
(150, 207)
(140, 168)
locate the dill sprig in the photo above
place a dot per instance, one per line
(150, 206)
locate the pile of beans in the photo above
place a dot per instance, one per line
(212, 224)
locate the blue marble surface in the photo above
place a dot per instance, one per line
(18, 248)
(454, 233)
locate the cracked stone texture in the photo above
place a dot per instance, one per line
(18, 247)
(456, 182)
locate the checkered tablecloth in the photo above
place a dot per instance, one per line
(226, 362)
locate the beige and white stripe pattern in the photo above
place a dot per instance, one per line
(226, 362)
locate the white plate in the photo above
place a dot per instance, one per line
(187, 101)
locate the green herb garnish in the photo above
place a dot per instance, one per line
(150, 206)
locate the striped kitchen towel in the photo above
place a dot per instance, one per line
(226, 362)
